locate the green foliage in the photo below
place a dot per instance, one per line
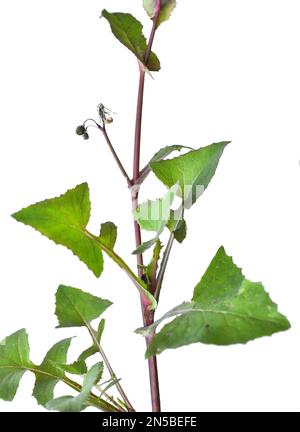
(160, 155)
(78, 403)
(64, 220)
(193, 171)
(145, 246)
(51, 371)
(151, 269)
(226, 309)
(129, 31)
(154, 215)
(14, 361)
(75, 308)
(75, 368)
(108, 234)
(177, 225)
(167, 7)
(89, 352)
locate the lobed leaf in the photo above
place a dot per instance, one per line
(64, 220)
(14, 361)
(51, 371)
(129, 31)
(193, 171)
(78, 403)
(226, 309)
(75, 308)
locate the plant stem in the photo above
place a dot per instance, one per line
(119, 163)
(148, 316)
(163, 266)
(167, 252)
(109, 367)
(148, 299)
(93, 399)
(111, 399)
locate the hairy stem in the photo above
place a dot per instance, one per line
(148, 316)
(109, 367)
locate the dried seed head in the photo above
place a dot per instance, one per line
(104, 113)
(80, 130)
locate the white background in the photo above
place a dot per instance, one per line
(230, 71)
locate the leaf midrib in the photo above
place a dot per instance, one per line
(221, 312)
(86, 323)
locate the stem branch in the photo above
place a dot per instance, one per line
(92, 400)
(115, 156)
(163, 266)
(109, 367)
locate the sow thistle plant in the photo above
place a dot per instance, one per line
(226, 308)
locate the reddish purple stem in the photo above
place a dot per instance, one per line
(148, 315)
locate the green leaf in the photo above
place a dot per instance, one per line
(226, 309)
(178, 310)
(160, 155)
(167, 7)
(177, 226)
(51, 371)
(14, 361)
(75, 368)
(108, 234)
(145, 246)
(78, 403)
(129, 31)
(151, 268)
(100, 330)
(193, 171)
(154, 215)
(75, 308)
(64, 220)
(89, 352)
